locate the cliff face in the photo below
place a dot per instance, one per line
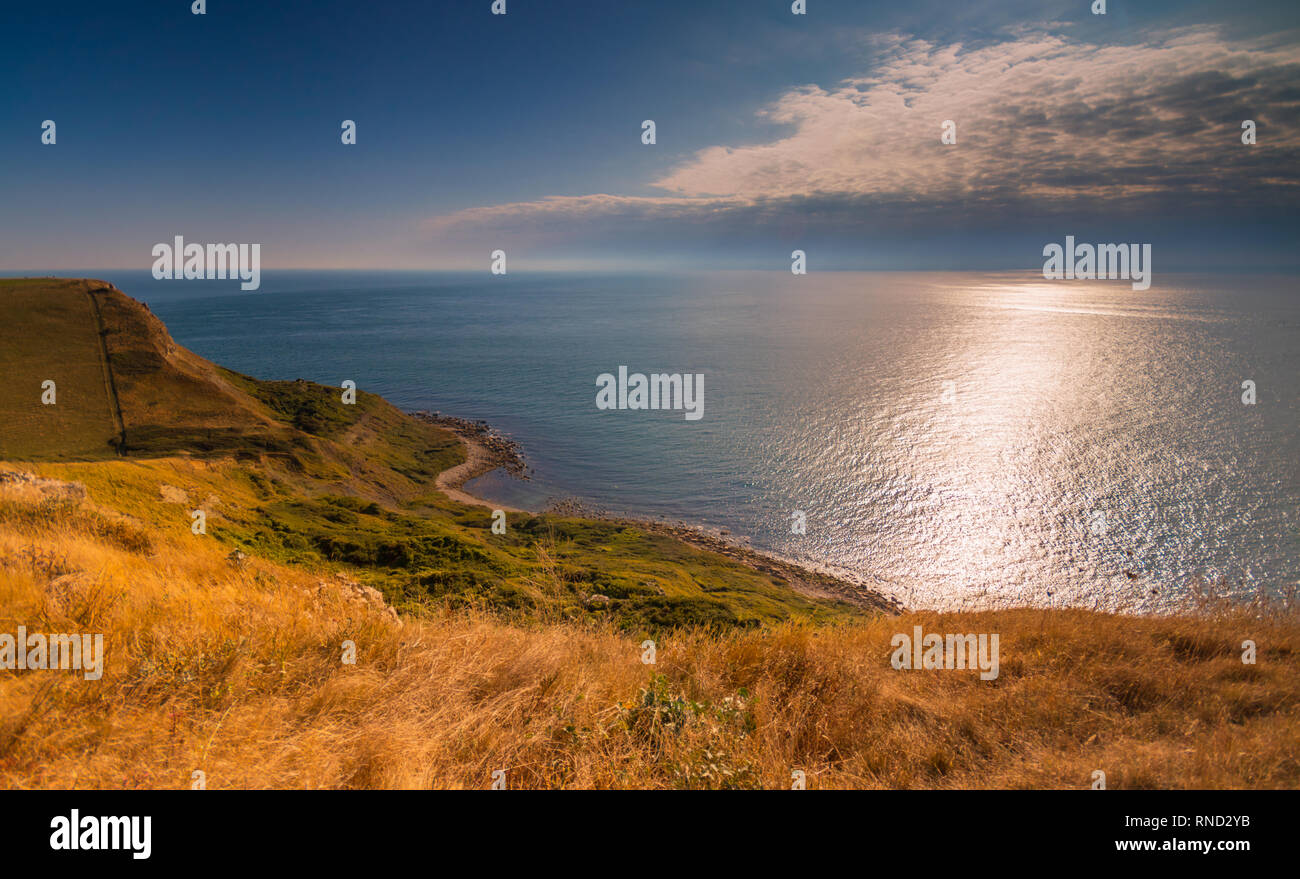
(56, 396)
(121, 385)
(173, 401)
(124, 388)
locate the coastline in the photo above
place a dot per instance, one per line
(799, 576)
(487, 450)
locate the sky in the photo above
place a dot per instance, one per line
(774, 132)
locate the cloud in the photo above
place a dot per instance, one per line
(579, 209)
(1044, 123)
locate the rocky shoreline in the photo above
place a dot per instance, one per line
(488, 449)
(498, 450)
(799, 576)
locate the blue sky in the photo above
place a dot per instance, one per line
(774, 131)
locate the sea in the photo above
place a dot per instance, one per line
(957, 440)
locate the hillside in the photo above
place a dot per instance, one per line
(524, 651)
(286, 470)
(50, 333)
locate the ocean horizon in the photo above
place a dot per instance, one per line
(953, 439)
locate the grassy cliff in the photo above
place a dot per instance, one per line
(287, 471)
(524, 651)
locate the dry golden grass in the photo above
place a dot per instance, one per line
(236, 670)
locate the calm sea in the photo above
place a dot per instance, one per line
(956, 439)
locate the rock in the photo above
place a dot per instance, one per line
(172, 494)
(42, 485)
(359, 593)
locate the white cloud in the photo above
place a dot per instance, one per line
(1034, 115)
(1040, 117)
